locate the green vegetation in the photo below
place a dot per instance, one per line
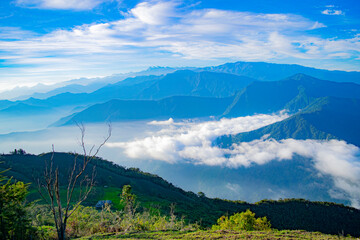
(154, 196)
(242, 221)
(15, 222)
(86, 221)
(322, 118)
(221, 234)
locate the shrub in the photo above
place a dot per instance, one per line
(242, 221)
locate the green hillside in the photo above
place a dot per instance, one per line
(293, 93)
(324, 118)
(155, 191)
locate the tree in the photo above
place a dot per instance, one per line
(201, 195)
(77, 178)
(128, 199)
(19, 151)
(15, 222)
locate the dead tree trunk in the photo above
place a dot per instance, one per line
(62, 211)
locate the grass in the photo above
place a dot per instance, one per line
(102, 193)
(220, 234)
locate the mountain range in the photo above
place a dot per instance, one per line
(323, 109)
(178, 107)
(195, 94)
(263, 71)
(321, 105)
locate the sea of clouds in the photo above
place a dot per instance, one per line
(192, 142)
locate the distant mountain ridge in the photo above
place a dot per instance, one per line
(82, 85)
(261, 71)
(201, 84)
(273, 71)
(179, 83)
(178, 94)
(171, 107)
(293, 93)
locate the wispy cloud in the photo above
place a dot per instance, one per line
(61, 4)
(154, 14)
(166, 33)
(192, 143)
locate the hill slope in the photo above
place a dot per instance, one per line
(172, 107)
(202, 84)
(325, 118)
(151, 189)
(293, 93)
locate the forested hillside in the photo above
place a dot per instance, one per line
(155, 191)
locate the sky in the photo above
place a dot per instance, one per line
(49, 41)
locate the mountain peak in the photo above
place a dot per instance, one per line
(302, 77)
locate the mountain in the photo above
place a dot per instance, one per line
(293, 93)
(256, 70)
(21, 109)
(272, 72)
(5, 104)
(21, 91)
(181, 83)
(151, 190)
(190, 83)
(324, 118)
(82, 85)
(71, 88)
(172, 107)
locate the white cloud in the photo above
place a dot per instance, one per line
(193, 142)
(334, 158)
(180, 140)
(332, 12)
(14, 33)
(170, 121)
(61, 4)
(154, 14)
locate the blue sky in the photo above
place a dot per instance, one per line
(48, 41)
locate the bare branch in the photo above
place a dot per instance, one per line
(76, 177)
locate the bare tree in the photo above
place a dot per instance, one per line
(77, 178)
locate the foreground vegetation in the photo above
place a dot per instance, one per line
(221, 234)
(147, 207)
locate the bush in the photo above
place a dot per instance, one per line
(46, 233)
(15, 222)
(242, 221)
(87, 221)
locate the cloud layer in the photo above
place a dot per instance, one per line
(167, 33)
(180, 140)
(192, 142)
(61, 4)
